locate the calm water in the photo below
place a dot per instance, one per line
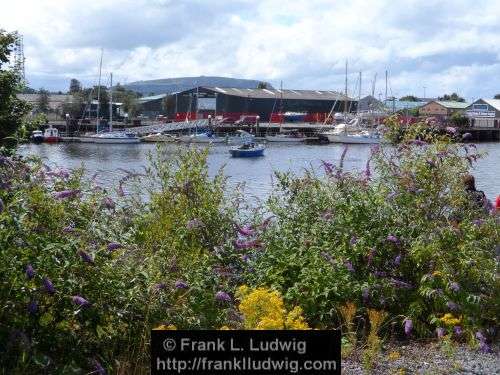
(255, 173)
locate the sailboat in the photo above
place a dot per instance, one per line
(109, 136)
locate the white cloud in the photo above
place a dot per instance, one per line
(443, 45)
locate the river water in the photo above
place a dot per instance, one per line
(256, 173)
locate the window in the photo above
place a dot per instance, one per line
(480, 107)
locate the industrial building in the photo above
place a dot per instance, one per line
(443, 109)
(232, 103)
(484, 113)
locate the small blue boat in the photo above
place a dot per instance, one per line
(247, 150)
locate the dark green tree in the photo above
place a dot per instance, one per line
(409, 98)
(262, 85)
(42, 104)
(459, 120)
(12, 109)
(453, 97)
(497, 96)
(74, 86)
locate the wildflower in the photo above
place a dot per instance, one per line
(483, 345)
(440, 331)
(437, 273)
(327, 215)
(224, 328)
(418, 142)
(98, 369)
(246, 231)
(393, 239)
(349, 266)
(431, 163)
(454, 286)
(368, 172)
(114, 245)
(80, 301)
(397, 260)
(266, 222)
(247, 244)
(49, 287)
(452, 306)
(30, 271)
(108, 203)
(394, 355)
(408, 326)
(222, 296)
(295, 320)
(328, 167)
(33, 307)
(179, 284)
(400, 284)
(69, 228)
(342, 157)
(194, 223)
(65, 194)
(353, 241)
(379, 273)
(450, 320)
(451, 130)
(478, 222)
(85, 257)
(328, 257)
(457, 330)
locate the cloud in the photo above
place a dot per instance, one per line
(443, 45)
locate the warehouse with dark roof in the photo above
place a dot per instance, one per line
(234, 102)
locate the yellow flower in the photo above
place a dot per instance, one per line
(394, 355)
(224, 328)
(450, 320)
(437, 273)
(295, 320)
(164, 327)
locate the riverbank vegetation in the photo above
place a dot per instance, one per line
(397, 250)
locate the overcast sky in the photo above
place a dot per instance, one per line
(443, 45)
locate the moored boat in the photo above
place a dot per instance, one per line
(202, 138)
(240, 137)
(363, 137)
(159, 137)
(51, 135)
(37, 136)
(289, 136)
(111, 138)
(247, 150)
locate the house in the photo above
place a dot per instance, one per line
(55, 104)
(484, 113)
(442, 109)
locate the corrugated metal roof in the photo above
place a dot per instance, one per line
(285, 94)
(151, 98)
(452, 104)
(495, 103)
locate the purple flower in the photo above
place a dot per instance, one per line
(328, 167)
(440, 331)
(327, 257)
(30, 271)
(349, 266)
(241, 245)
(179, 284)
(478, 222)
(452, 306)
(353, 241)
(246, 231)
(418, 142)
(408, 326)
(342, 157)
(400, 284)
(454, 286)
(69, 228)
(222, 297)
(393, 239)
(450, 130)
(397, 260)
(85, 257)
(368, 172)
(484, 347)
(80, 301)
(33, 307)
(480, 336)
(194, 223)
(457, 330)
(98, 369)
(65, 194)
(431, 163)
(108, 203)
(379, 273)
(49, 287)
(114, 245)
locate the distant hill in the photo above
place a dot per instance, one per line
(170, 85)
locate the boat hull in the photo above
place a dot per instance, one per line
(112, 140)
(158, 138)
(284, 139)
(51, 139)
(246, 153)
(191, 139)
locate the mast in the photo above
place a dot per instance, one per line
(373, 85)
(360, 82)
(99, 93)
(345, 92)
(111, 102)
(386, 85)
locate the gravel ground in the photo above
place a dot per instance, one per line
(426, 358)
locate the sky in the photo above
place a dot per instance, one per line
(429, 46)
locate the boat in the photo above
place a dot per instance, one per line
(240, 137)
(247, 150)
(51, 135)
(205, 137)
(159, 137)
(37, 136)
(294, 116)
(287, 136)
(362, 137)
(111, 138)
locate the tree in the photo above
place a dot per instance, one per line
(74, 107)
(74, 86)
(262, 85)
(459, 120)
(453, 97)
(409, 98)
(497, 96)
(12, 109)
(42, 104)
